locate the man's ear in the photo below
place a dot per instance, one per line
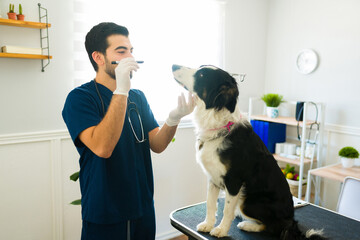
(98, 58)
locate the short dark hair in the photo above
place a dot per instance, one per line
(96, 38)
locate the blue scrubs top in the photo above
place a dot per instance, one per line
(120, 187)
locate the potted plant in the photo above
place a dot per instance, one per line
(347, 156)
(20, 16)
(11, 14)
(272, 102)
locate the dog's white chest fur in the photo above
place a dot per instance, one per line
(208, 158)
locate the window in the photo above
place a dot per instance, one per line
(162, 32)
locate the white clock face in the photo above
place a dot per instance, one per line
(306, 61)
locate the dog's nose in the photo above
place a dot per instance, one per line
(175, 67)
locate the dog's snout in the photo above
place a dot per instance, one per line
(175, 67)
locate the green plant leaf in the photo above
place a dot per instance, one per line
(272, 99)
(76, 202)
(11, 8)
(75, 176)
(348, 152)
(289, 169)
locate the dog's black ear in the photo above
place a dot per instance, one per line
(227, 97)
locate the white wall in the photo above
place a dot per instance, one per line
(179, 180)
(245, 41)
(332, 29)
(31, 100)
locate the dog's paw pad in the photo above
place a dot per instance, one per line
(251, 226)
(218, 232)
(204, 227)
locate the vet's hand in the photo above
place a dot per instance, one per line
(184, 108)
(122, 75)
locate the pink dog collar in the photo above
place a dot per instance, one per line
(226, 126)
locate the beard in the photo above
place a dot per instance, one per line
(110, 69)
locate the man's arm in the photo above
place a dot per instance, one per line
(102, 139)
(161, 137)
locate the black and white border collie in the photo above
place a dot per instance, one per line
(236, 160)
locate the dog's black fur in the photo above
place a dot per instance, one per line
(216, 94)
(267, 192)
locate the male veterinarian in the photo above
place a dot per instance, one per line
(113, 129)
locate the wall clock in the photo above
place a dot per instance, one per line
(307, 61)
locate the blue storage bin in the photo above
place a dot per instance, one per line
(270, 133)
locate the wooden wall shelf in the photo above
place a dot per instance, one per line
(26, 56)
(26, 24)
(295, 161)
(284, 120)
(37, 25)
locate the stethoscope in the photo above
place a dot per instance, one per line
(316, 124)
(133, 107)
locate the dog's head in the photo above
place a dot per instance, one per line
(215, 87)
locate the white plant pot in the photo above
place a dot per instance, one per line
(347, 162)
(357, 162)
(272, 112)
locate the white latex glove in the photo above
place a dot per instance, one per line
(122, 75)
(184, 108)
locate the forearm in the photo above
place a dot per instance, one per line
(161, 139)
(102, 139)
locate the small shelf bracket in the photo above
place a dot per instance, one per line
(44, 37)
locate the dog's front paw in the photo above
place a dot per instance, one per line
(250, 226)
(204, 227)
(219, 232)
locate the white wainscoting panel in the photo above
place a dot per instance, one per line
(34, 190)
(26, 202)
(71, 191)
